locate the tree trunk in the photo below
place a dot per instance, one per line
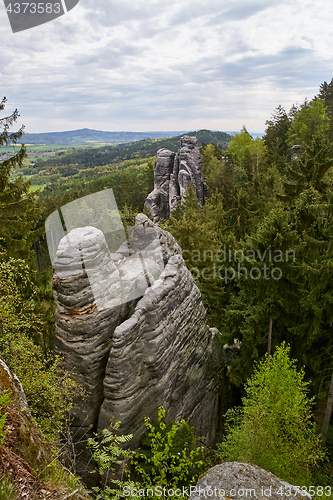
(328, 413)
(269, 345)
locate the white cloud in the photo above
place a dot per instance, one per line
(177, 65)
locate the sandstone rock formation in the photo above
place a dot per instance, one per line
(236, 481)
(172, 176)
(25, 451)
(296, 151)
(135, 354)
(22, 430)
(24, 447)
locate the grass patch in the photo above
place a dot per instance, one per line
(33, 189)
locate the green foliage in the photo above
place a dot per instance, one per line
(49, 391)
(4, 400)
(310, 119)
(267, 289)
(217, 172)
(131, 185)
(326, 94)
(240, 148)
(169, 459)
(246, 154)
(242, 210)
(168, 464)
(8, 490)
(201, 231)
(111, 155)
(312, 213)
(111, 458)
(18, 213)
(184, 439)
(274, 429)
(61, 481)
(311, 169)
(276, 137)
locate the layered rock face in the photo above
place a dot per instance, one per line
(172, 176)
(143, 340)
(24, 447)
(161, 356)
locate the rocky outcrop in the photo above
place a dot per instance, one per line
(162, 355)
(172, 176)
(236, 481)
(157, 201)
(24, 447)
(153, 347)
(296, 151)
(25, 451)
(190, 167)
(23, 433)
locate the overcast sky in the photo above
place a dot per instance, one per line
(166, 65)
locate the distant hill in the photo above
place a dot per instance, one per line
(104, 155)
(87, 136)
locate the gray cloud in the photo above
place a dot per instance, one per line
(240, 10)
(115, 65)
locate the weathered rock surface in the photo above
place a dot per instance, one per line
(296, 151)
(161, 355)
(172, 176)
(158, 200)
(148, 350)
(190, 167)
(23, 434)
(236, 481)
(24, 447)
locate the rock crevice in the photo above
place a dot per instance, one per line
(153, 347)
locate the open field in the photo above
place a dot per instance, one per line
(36, 188)
(49, 148)
(43, 151)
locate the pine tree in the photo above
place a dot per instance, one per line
(264, 302)
(201, 233)
(313, 220)
(310, 170)
(276, 136)
(308, 121)
(326, 94)
(18, 213)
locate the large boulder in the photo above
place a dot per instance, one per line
(152, 348)
(236, 481)
(172, 176)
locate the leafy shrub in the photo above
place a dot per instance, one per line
(169, 460)
(4, 400)
(111, 459)
(172, 460)
(274, 429)
(49, 391)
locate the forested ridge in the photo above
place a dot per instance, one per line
(260, 251)
(86, 136)
(108, 156)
